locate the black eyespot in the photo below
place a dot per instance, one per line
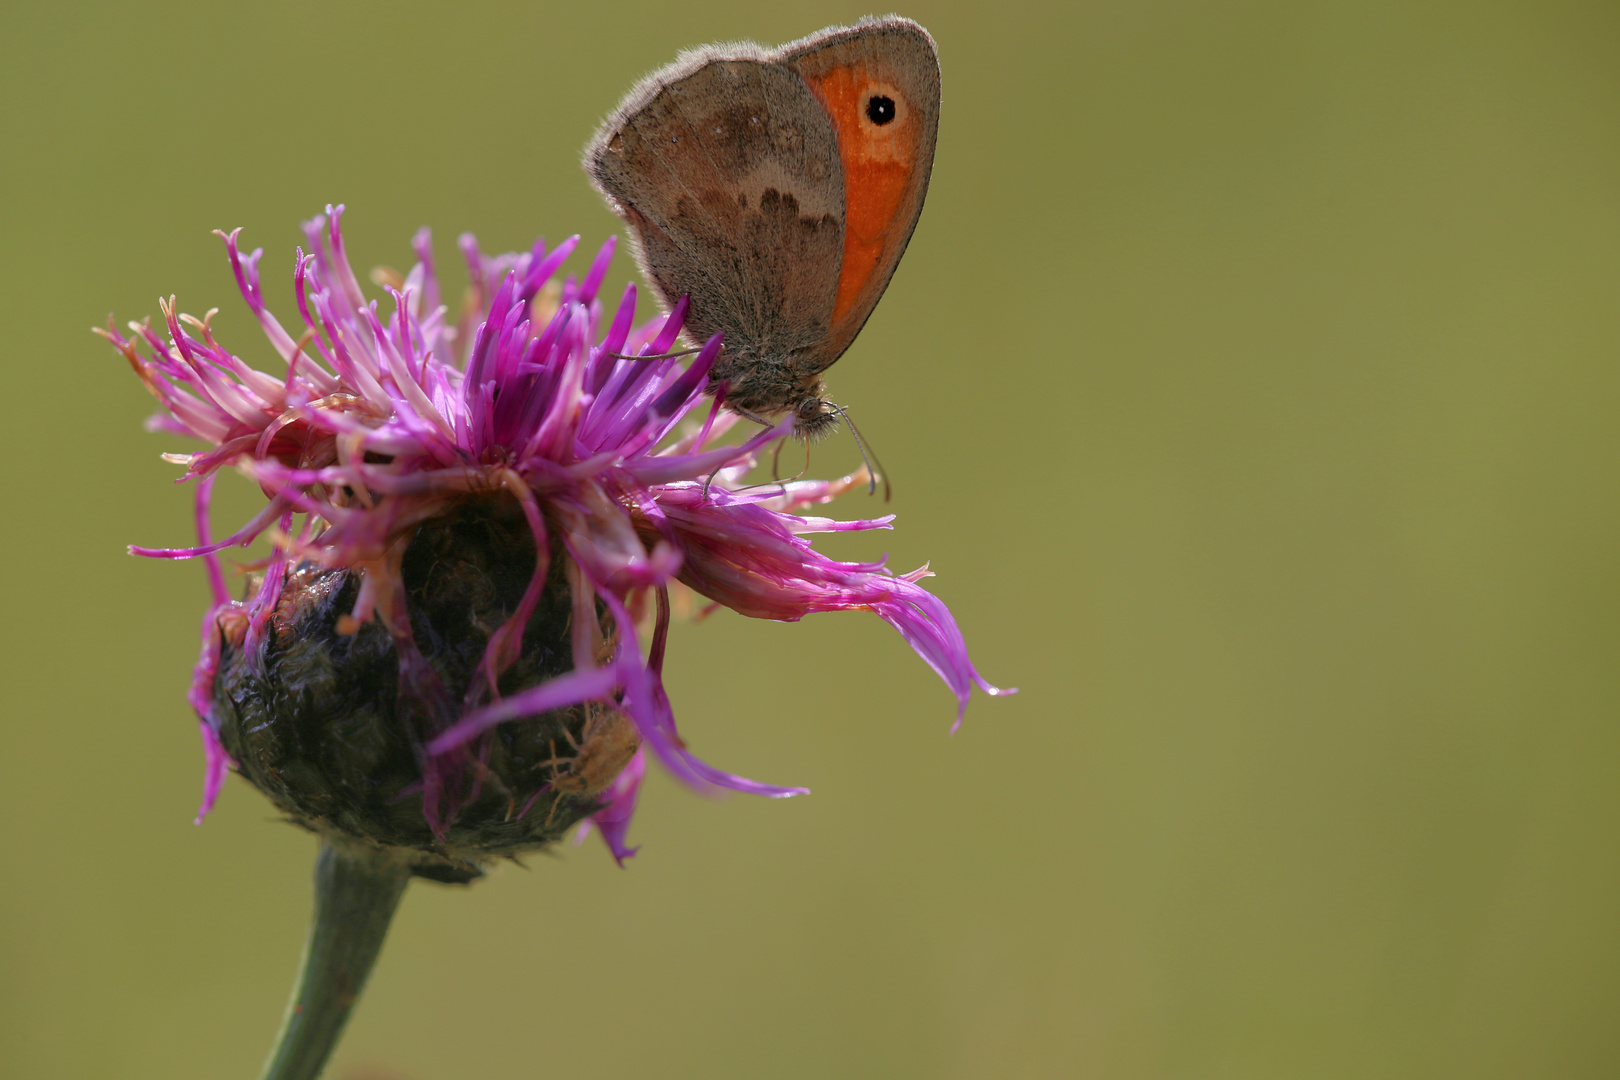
(880, 109)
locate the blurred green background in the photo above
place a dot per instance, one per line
(1251, 383)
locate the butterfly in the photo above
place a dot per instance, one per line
(776, 190)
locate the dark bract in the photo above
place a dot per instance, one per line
(330, 725)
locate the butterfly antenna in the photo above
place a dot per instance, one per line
(874, 467)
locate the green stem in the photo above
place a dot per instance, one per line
(356, 892)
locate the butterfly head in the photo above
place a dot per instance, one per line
(814, 417)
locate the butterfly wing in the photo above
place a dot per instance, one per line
(725, 167)
(878, 83)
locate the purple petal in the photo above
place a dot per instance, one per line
(217, 761)
(618, 806)
(570, 689)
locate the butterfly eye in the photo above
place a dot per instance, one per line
(880, 109)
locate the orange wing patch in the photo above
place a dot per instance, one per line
(878, 157)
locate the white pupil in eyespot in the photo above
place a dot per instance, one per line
(880, 109)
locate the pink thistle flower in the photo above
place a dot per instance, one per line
(474, 528)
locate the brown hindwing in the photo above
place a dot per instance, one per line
(726, 170)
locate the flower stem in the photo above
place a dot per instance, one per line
(356, 891)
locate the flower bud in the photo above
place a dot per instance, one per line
(332, 726)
